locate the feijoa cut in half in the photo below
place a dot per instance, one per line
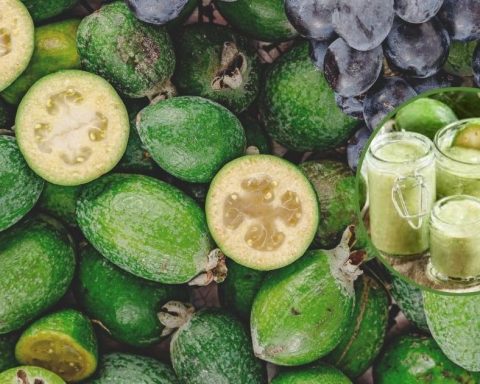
(72, 127)
(63, 342)
(262, 211)
(29, 374)
(16, 40)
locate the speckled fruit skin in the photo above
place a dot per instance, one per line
(298, 106)
(334, 184)
(171, 249)
(7, 351)
(319, 374)
(123, 368)
(37, 260)
(55, 49)
(60, 201)
(460, 56)
(11, 376)
(136, 58)
(417, 359)
(126, 305)
(20, 187)
(213, 347)
(260, 19)
(256, 135)
(365, 335)
(410, 300)
(238, 291)
(454, 322)
(191, 137)
(292, 301)
(68, 323)
(44, 9)
(199, 50)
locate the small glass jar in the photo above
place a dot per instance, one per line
(401, 192)
(458, 168)
(455, 239)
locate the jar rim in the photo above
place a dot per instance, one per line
(442, 202)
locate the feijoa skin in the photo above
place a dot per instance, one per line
(298, 107)
(60, 202)
(320, 373)
(7, 351)
(125, 368)
(136, 58)
(191, 137)
(20, 187)
(417, 359)
(55, 49)
(124, 304)
(29, 374)
(460, 57)
(37, 260)
(216, 63)
(263, 20)
(454, 322)
(362, 341)
(172, 249)
(45, 9)
(238, 291)
(334, 183)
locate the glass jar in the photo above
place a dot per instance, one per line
(458, 168)
(401, 192)
(455, 238)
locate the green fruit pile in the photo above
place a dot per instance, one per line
(141, 175)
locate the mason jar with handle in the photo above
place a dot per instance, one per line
(401, 192)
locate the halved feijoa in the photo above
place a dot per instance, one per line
(28, 375)
(63, 342)
(20, 188)
(469, 136)
(72, 127)
(262, 211)
(16, 40)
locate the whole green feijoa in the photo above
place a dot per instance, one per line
(216, 63)
(365, 335)
(417, 359)
(256, 135)
(460, 57)
(125, 368)
(298, 107)
(60, 201)
(318, 374)
(294, 301)
(45, 9)
(425, 116)
(146, 227)
(191, 137)
(238, 291)
(409, 298)
(210, 346)
(124, 304)
(55, 50)
(260, 19)
(136, 58)
(29, 374)
(334, 183)
(20, 187)
(37, 260)
(454, 322)
(7, 351)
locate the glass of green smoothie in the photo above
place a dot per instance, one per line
(401, 192)
(457, 149)
(455, 239)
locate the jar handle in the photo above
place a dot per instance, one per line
(401, 184)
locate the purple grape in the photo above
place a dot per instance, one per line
(417, 50)
(351, 106)
(383, 98)
(462, 19)
(441, 79)
(417, 11)
(318, 49)
(476, 65)
(312, 18)
(350, 72)
(158, 12)
(356, 146)
(363, 24)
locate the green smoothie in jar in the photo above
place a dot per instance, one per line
(455, 238)
(458, 159)
(401, 191)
